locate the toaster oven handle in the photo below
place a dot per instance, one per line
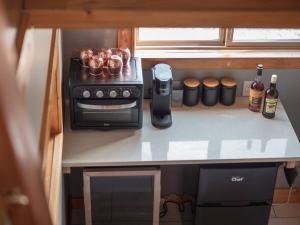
(107, 107)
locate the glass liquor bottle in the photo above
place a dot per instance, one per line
(256, 91)
(271, 99)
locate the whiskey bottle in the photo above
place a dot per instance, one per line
(271, 99)
(256, 91)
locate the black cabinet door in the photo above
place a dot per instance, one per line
(237, 183)
(247, 215)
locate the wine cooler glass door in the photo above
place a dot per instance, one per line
(122, 197)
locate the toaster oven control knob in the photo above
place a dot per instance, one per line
(113, 94)
(126, 94)
(86, 94)
(99, 94)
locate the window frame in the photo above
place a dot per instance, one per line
(213, 58)
(224, 43)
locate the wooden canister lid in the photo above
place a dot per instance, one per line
(211, 82)
(228, 82)
(191, 82)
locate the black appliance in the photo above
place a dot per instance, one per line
(235, 194)
(161, 96)
(106, 102)
(124, 196)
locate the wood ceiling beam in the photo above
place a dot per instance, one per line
(163, 5)
(118, 18)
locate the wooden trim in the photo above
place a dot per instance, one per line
(176, 5)
(229, 36)
(163, 5)
(87, 199)
(225, 63)
(281, 195)
(21, 34)
(51, 136)
(222, 35)
(126, 38)
(290, 164)
(46, 119)
(56, 115)
(56, 176)
(139, 17)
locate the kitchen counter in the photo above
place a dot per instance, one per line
(200, 134)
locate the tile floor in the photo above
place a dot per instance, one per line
(286, 214)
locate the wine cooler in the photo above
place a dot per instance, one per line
(122, 197)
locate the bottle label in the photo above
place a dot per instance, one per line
(255, 98)
(270, 105)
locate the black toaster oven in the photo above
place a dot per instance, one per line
(105, 102)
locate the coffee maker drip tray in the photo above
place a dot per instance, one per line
(161, 120)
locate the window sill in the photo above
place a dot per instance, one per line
(221, 59)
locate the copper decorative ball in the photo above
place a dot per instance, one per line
(105, 54)
(116, 51)
(125, 56)
(115, 65)
(85, 55)
(96, 65)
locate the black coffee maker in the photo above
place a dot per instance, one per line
(161, 96)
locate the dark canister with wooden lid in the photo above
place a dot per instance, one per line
(228, 91)
(210, 92)
(191, 91)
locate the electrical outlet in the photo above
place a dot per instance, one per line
(246, 87)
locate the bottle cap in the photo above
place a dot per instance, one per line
(273, 78)
(260, 68)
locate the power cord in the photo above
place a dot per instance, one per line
(175, 199)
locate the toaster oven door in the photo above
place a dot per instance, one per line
(106, 112)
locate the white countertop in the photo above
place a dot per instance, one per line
(200, 134)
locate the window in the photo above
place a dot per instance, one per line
(194, 38)
(266, 37)
(179, 37)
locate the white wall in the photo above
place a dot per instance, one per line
(32, 79)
